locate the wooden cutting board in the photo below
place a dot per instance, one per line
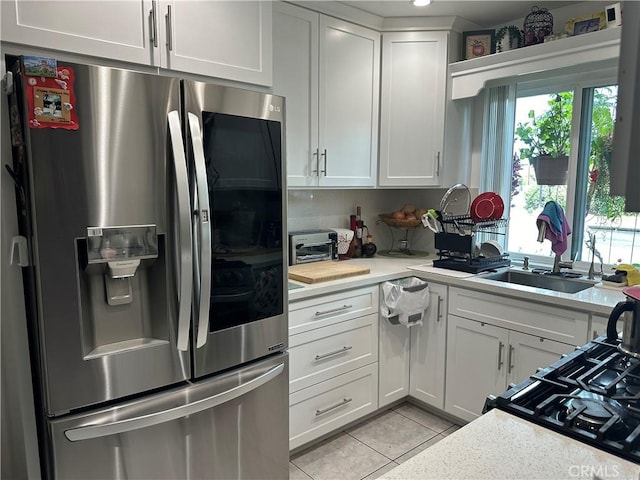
(316, 272)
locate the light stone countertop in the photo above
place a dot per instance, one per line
(499, 446)
(592, 300)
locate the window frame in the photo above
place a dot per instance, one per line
(541, 84)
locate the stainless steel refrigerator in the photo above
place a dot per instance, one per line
(156, 307)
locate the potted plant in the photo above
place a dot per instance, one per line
(509, 38)
(546, 137)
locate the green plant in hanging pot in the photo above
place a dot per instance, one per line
(509, 38)
(547, 137)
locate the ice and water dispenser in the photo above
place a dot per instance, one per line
(120, 250)
(123, 283)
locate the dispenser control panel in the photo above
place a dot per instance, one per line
(111, 244)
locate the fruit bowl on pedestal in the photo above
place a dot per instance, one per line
(399, 222)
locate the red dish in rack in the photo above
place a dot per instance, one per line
(487, 206)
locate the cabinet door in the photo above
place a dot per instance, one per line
(412, 110)
(348, 109)
(393, 361)
(527, 353)
(117, 30)
(295, 76)
(476, 365)
(225, 39)
(428, 349)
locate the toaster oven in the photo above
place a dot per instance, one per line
(312, 246)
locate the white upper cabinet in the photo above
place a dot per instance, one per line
(328, 70)
(295, 75)
(225, 39)
(120, 30)
(412, 119)
(348, 109)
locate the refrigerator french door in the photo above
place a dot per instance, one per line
(124, 287)
(236, 142)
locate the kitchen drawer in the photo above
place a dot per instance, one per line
(320, 354)
(327, 406)
(326, 310)
(562, 325)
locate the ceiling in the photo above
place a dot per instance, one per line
(483, 13)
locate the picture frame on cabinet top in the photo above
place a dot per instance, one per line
(586, 24)
(478, 43)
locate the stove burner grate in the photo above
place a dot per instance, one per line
(595, 415)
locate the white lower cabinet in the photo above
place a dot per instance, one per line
(320, 354)
(428, 351)
(329, 405)
(483, 359)
(493, 341)
(598, 326)
(393, 361)
(412, 360)
(333, 308)
(347, 361)
(333, 368)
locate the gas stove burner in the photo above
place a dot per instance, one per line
(591, 413)
(595, 414)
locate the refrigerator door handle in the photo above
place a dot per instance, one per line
(203, 284)
(185, 273)
(127, 425)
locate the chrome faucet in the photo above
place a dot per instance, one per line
(591, 245)
(558, 264)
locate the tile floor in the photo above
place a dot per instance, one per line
(372, 448)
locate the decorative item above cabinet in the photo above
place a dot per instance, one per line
(593, 50)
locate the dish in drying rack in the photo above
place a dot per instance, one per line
(491, 249)
(487, 206)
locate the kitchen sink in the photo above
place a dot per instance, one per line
(554, 282)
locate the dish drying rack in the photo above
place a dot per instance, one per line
(456, 246)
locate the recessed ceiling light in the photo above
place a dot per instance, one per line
(421, 3)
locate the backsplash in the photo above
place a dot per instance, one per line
(309, 209)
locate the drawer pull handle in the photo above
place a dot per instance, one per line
(334, 310)
(333, 407)
(330, 354)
